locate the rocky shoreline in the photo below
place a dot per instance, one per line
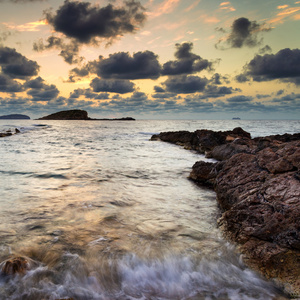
(257, 184)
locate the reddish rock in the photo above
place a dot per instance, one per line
(257, 184)
(16, 265)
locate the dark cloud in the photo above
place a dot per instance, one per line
(84, 22)
(121, 65)
(242, 78)
(239, 99)
(163, 95)
(68, 51)
(280, 92)
(112, 86)
(89, 94)
(218, 79)
(185, 84)
(9, 85)
(16, 65)
(158, 89)
(284, 65)
(4, 35)
(291, 98)
(40, 91)
(243, 33)
(186, 63)
(265, 49)
(213, 91)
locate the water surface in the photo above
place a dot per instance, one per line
(105, 213)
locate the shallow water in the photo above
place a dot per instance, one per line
(105, 213)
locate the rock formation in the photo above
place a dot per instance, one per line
(77, 114)
(9, 132)
(257, 183)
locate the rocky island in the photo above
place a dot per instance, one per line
(257, 184)
(77, 114)
(14, 117)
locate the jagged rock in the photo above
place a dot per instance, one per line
(201, 140)
(257, 183)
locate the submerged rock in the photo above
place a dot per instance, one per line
(257, 183)
(9, 133)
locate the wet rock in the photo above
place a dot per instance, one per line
(16, 265)
(204, 173)
(257, 184)
(201, 140)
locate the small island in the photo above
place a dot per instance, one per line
(14, 117)
(77, 114)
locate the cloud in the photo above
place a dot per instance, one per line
(284, 65)
(141, 65)
(30, 26)
(84, 22)
(22, 1)
(69, 51)
(265, 49)
(212, 91)
(244, 33)
(239, 99)
(40, 91)
(89, 94)
(15, 65)
(217, 79)
(4, 35)
(9, 85)
(166, 7)
(121, 65)
(227, 6)
(112, 86)
(186, 63)
(185, 84)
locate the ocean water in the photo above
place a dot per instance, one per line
(102, 212)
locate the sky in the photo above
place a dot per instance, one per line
(151, 59)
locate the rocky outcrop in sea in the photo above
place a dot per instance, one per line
(78, 114)
(257, 184)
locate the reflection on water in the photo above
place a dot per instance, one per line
(101, 212)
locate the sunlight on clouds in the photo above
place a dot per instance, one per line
(289, 11)
(282, 6)
(165, 8)
(208, 19)
(192, 6)
(296, 17)
(284, 14)
(227, 6)
(31, 26)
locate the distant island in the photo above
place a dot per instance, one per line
(15, 117)
(236, 118)
(77, 114)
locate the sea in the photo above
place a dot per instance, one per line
(102, 212)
